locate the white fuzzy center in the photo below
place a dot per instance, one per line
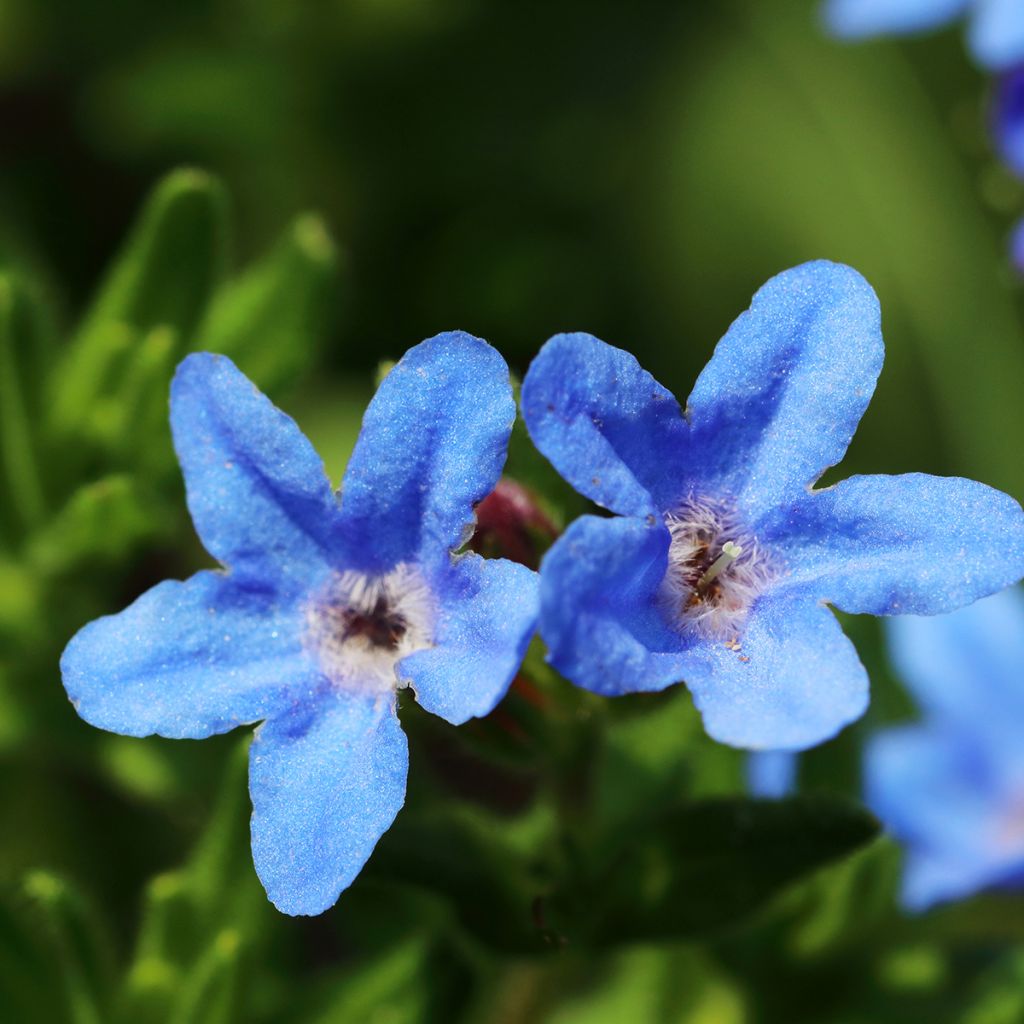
(716, 570)
(361, 626)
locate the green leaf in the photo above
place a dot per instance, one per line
(393, 987)
(164, 276)
(102, 522)
(649, 985)
(21, 482)
(270, 319)
(80, 942)
(1000, 996)
(844, 901)
(704, 866)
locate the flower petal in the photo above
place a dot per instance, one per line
(933, 792)
(794, 682)
(912, 544)
(855, 19)
(187, 660)
(772, 773)
(786, 387)
(1008, 120)
(605, 424)
(996, 34)
(488, 613)
(432, 445)
(257, 490)
(326, 781)
(965, 668)
(600, 616)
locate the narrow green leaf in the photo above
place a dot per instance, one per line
(207, 994)
(81, 943)
(130, 420)
(394, 986)
(705, 866)
(102, 522)
(272, 316)
(164, 276)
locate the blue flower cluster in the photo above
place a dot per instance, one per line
(951, 787)
(995, 32)
(716, 567)
(996, 40)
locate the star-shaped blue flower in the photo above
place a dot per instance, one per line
(951, 787)
(995, 35)
(721, 558)
(324, 608)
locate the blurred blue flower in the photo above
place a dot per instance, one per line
(951, 787)
(771, 773)
(718, 564)
(995, 34)
(1008, 120)
(325, 608)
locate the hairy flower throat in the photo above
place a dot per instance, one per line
(716, 570)
(361, 626)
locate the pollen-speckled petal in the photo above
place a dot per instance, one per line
(487, 613)
(792, 679)
(432, 445)
(605, 424)
(326, 780)
(190, 659)
(600, 612)
(785, 389)
(257, 491)
(912, 544)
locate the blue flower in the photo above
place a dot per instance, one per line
(718, 564)
(951, 787)
(1008, 120)
(995, 35)
(771, 773)
(324, 608)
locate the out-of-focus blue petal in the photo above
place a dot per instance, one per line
(786, 387)
(326, 781)
(1017, 246)
(488, 611)
(967, 669)
(794, 682)
(912, 544)
(605, 424)
(855, 19)
(934, 792)
(599, 613)
(257, 490)
(432, 445)
(187, 660)
(996, 34)
(1008, 118)
(771, 773)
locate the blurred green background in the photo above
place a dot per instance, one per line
(514, 170)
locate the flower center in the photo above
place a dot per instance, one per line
(716, 570)
(361, 626)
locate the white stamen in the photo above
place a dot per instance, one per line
(730, 552)
(710, 586)
(361, 626)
